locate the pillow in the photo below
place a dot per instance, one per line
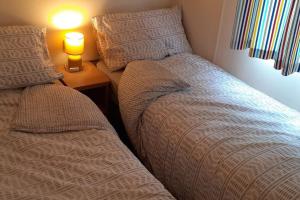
(53, 108)
(24, 57)
(126, 37)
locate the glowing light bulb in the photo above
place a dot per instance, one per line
(67, 19)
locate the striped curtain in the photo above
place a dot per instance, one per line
(271, 29)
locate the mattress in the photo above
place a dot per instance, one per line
(217, 139)
(115, 78)
(86, 164)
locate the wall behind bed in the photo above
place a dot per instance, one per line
(201, 20)
(38, 12)
(260, 74)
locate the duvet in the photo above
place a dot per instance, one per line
(88, 163)
(217, 139)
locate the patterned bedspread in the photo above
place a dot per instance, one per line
(87, 165)
(220, 139)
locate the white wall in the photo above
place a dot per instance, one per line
(258, 73)
(201, 21)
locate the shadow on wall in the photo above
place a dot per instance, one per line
(39, 13)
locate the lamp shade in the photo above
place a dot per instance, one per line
(74, 43)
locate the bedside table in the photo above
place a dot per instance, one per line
(91, 82)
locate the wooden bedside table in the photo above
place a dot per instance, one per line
(91, 82)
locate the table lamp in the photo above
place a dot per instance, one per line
(74, 47)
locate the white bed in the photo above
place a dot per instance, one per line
(217, 139)
(79, 164)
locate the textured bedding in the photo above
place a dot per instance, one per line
(86, 164)
(73, 111)
(219, 139)
(24, 57)
(125, 37)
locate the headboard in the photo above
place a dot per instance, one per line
(38, 12)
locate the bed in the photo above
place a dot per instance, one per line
(44, 156)
(212, 138)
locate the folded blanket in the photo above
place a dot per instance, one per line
(148, 82)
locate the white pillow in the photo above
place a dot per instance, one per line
(24, 57)
(47, 109)
(126, 37)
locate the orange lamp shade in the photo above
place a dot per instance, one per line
(74, 43)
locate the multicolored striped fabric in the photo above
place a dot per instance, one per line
(271, 29)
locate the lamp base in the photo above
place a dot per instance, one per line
(74, 63)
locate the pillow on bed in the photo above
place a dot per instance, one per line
(52, 108)
(24, 57)
(126, 37)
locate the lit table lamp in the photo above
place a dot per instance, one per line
(74, 47)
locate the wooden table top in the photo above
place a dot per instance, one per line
(90, 77)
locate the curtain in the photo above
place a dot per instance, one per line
(271, 30)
